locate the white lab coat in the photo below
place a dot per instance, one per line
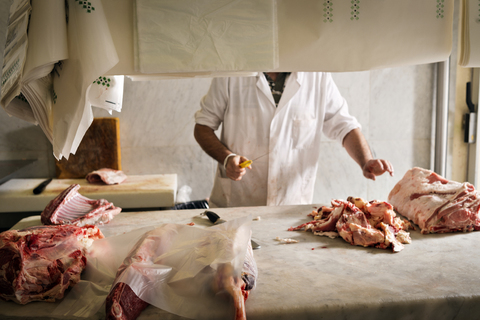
(290, 134)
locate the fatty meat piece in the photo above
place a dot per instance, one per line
(361, 223)
(70, 207)
(435, 204)
(40, 263)
(106, 176)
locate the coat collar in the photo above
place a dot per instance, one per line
(294, 82)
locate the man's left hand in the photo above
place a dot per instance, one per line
(377, 167)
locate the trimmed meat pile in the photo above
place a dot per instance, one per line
(361, 223)
(70, 207)
(436, 204)
(40, 263)
(106, 176)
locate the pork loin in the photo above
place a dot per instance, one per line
(435, 204)
(40, 263)
(70, 207)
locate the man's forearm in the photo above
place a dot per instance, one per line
(209, 142)
(357, 147)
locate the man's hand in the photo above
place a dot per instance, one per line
(377, 167)
(233, 169)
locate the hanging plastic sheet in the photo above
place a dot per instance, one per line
(206, 35)
(91, 54)
(469, 55)
(338, 35)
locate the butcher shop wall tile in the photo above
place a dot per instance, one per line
(402, 102)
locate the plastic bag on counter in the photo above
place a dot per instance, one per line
(176, 274)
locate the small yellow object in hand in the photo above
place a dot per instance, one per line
(245, 164)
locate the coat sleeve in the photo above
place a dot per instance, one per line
(338, 122)
(213, 104)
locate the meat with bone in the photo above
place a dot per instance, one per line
(360, 223)
(40, 263)
(106, 176)
(123, 304)
(70, 207)
(436, 204)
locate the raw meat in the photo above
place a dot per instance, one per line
(360, 223)
(106, 176)
(436, 204)
(40, 263)
(122, 303)
(70, 207)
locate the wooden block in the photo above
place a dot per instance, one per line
(100, 148)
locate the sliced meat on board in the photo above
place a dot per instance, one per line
(70, 207)
(40, 263)
(106, 176)
(435, 204)
(361, 223)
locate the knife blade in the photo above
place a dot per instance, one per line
(215, 219)
(39, 189)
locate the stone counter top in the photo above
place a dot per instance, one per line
(434, 277)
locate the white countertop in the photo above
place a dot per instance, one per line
(434, 277)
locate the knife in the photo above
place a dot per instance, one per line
(215, 219)
(39, 189)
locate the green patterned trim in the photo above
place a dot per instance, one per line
(440, 7)
(355, 10)
(14, 68)
(328, 8)
(86, 5)
(104, 81)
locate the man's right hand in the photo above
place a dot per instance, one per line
(233, 169)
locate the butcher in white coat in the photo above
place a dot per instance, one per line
(280, 117)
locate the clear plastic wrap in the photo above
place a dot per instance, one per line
(173, 271)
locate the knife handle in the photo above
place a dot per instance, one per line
(39, 189)
(213, 217)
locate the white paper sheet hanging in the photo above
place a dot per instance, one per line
(91, 54)
(469, 55)
(204, 35)
(339, 35)
(14, 56)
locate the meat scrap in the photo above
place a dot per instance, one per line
(361, 223)
(40, 263)
(106, 176)
(70, 207)
(436, 204)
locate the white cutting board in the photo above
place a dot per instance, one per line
(138, 191)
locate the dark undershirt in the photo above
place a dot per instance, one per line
(277, 86)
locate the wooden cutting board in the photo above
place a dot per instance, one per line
(138, 191)
(100, 148)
